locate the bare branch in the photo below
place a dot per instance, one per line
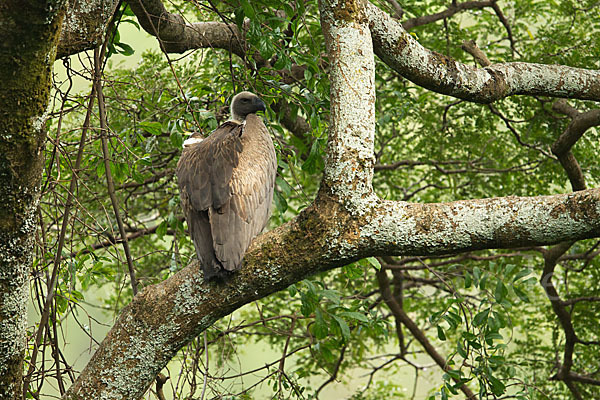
(447, 13)
(401, 315)
(98, 57)
(471, 47)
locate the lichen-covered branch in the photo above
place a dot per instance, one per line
(164, 317)
(85, 25)
(434, 71)
(504, 222)
(350, 146)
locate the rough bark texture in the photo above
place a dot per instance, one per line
(350, 154)
(84, 26)
(345, 223)
(28, 36)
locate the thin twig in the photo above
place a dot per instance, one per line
(109, 180)
(206, 366)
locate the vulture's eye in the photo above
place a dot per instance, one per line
(245, 100)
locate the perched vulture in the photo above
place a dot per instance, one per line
(226, 183)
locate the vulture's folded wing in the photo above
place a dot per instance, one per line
(205, 169)
(249, 208)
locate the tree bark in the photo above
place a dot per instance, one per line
(85, 25)
(28, 37)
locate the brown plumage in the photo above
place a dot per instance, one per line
(226, 183)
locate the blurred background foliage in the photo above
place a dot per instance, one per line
(485, 312)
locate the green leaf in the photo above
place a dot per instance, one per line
(522, 273)
(354, 315)
(125, 49)
(292, 290)
(239, 17)
(320, 329)
(153, 128)
(162, 229)
(440, 333)
(283, 186)
(308, 304)
(374, 262)
(500, 292)
(100, 171)
(176, 139)
(132, 22)
(352, 271)
(509, 268)
(461, 350)
(521, 294)
(332, 295)
(280, 202)
(498, 387)
(493, 335)
(314, 160)
(483, 281)
(248, 9)
(343, 327)
(468, 280)
(481, 317)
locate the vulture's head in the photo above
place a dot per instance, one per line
(245, 103)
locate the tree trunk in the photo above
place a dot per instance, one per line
(28, 35)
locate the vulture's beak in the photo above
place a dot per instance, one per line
(259, 104)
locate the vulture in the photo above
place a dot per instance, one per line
(226, 186)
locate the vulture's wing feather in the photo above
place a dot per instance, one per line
(204, 175)
(199, 227)
(251, 196)
(204, 170)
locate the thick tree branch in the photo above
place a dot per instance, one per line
(350, 145)
(85, 25)
(177, 36)
(166, 316)
(505, 222)
(434, 71)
